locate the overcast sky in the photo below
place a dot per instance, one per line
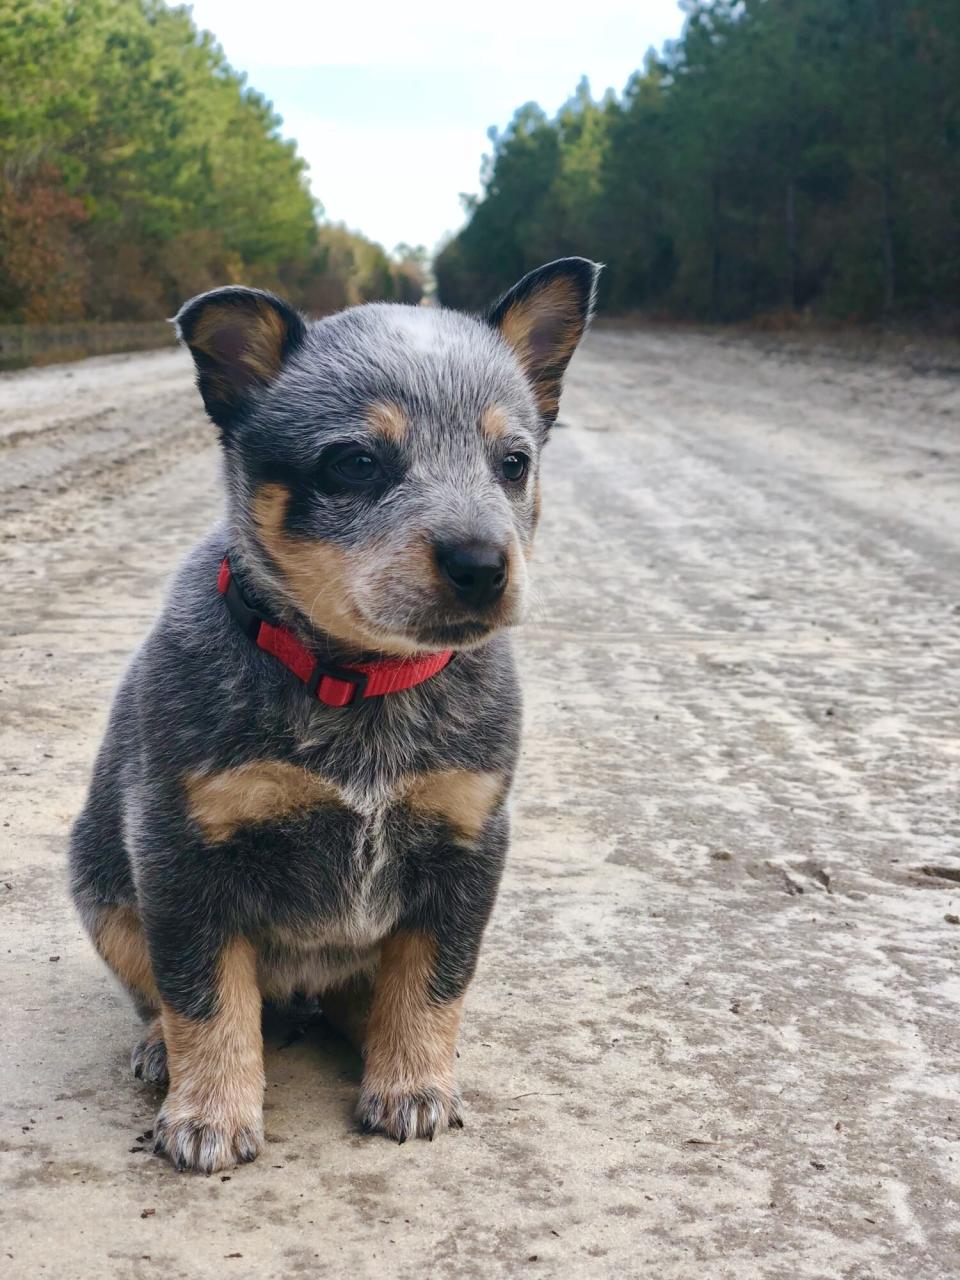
(390, 102)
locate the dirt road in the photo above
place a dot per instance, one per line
(716, 1027)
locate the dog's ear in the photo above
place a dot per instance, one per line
(239, 339)
(543, 317)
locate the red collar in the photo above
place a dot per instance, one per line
(335, 686)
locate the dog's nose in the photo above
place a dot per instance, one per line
(477, 570)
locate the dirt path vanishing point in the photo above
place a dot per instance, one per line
(716, 1027)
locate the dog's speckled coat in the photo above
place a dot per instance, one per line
(243, 841)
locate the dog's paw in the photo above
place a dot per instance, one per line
(205, 1145)
(149, 1058)
(403, 1114)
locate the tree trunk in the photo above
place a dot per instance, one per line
(715, 251)
(888, 246)
(889, 249)
(792, 263)
(793, 270)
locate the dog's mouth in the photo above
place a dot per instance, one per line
(435, 629)
(402, 604)
(456, 635)
(415, 620)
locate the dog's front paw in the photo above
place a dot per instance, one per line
(149, 1058)
(206, 1143)
(408, 1113)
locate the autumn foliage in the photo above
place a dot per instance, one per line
(138, 168)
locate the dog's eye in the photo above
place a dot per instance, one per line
(356, 468)
(514, 466)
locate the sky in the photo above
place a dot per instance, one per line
(390, 102)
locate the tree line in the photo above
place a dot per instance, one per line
(138, 168)
(782, 156)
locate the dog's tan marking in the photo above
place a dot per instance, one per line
(414, 563)
(544, 329)
(556, 308)
(537, 507)
(251, 336)
(260, 791)
(411, 1039)
(317, 573)
(388, 420)
(495, 422)
(463, 799)
(119, 937)
(212, 1116)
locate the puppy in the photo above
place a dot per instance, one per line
(303, 785)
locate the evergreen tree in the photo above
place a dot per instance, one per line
(783, 154)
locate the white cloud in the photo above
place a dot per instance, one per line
(427, 78)
(390, 184)
(427, 34)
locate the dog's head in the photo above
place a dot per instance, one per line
(383, 463)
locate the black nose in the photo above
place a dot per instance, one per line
(477, 571)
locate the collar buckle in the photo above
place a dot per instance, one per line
(353, 684)
(246, 618)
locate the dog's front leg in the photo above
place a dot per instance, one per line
(212, 1117)
(408, 1086)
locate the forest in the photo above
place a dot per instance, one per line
(783, 158)
(138, 168)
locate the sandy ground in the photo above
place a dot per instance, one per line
(715, 1029)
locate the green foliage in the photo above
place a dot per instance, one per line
(782, 155)
(138, 168)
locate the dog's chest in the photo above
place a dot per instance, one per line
(351, 845)
(344, 827)
(346, 866)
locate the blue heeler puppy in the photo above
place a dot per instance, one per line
(303, 786)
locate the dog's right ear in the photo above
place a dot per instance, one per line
(239, 339)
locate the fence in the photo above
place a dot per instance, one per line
(26, 344)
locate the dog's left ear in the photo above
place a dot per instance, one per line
(239, 339)
(543, 318)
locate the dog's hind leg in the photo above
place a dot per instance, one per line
(120, 940)
(149, 1057)
(103, 888)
